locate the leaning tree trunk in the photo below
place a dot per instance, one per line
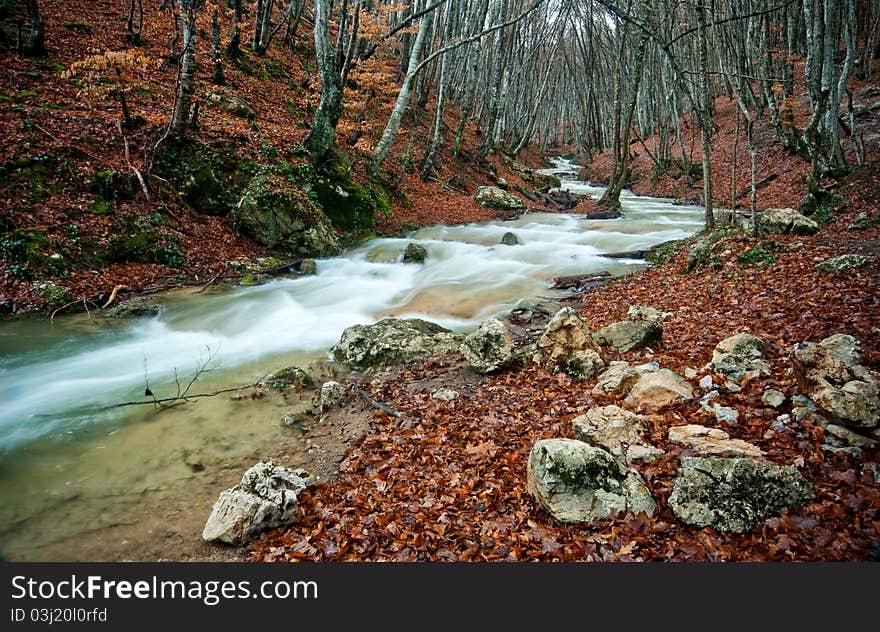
(180, 117)
(322, 137)
(383, 147)
(37, 44)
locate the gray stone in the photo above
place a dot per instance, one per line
(392, 341)
(232, 104)
(712, 442)
(847, 395)
(291, 376)
(734, 494)
(773, 398)
(445, 394)
(844, 263)
(725, 414)
(627, 335)
(845, 348)
(690, 372)
(647, 367)
(736, 355)
(785, 221)
(509, 239)
(617, 380)
(566, 345)
(415, 253)
(643, 312)
(55, 295)
(265, 498)
(849, 437)
(579, 483)
(493, 197)
(489, 348)
(659, 389)
(616, 430)
(332, 395)
(308, 267)
(706, 383)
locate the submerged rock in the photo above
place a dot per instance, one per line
(567, 346)
(265, 498)
(509, 239)
(734, 494)
(494, 197)
(490, 347)
(415, 253)
(391, 341)
(576, 482)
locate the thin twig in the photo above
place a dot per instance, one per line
(377, 405)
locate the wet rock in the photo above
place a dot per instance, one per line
(616, 430)
(617, 380)
(493, 197)
(489, 348)
(509, 239)
(736, 355)
(308, 267)
(579, 483)
(712, 442)
(415, 253)
(773, 398)
(734, 494)
(659, 389)
(332, 395)
(445, 394)
(265, 498)
(392, 341)
(566, 345)
(785, 221)
(291, 376)
(627, 335)
(136, 307)
(844, 263)
(847, 395)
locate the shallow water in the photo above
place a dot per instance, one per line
(69, 468)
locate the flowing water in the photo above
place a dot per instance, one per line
(74, 467)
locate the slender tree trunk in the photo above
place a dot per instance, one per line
(322, 137)
(383, 147)
(217, 61)
(37, 43)
(180, 118)
(233, 46)
(704, 117)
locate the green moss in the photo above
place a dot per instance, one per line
(760, 254)
(29, 254)
(136, 240)
(55, 295)
(111, 185)
(350, 206)
(100, 207)
(863, 222)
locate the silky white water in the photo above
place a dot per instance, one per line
(56, 379)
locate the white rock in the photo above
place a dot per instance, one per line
(712, 442)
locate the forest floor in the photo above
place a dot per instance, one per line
(447, 480)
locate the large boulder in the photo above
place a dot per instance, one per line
(274, 212)
(566, 345)
(616, 380)
(843, 347)
(493, 197)
(658, 389)
(265, 498)
(844, 263)
(232, 104)
(734, 494)
(616, 430)
(785, 221)
(391, 341)
(737, 355)
(845, 392)
(712, 442)
(627, 335)
(490, 347)
(576, 482)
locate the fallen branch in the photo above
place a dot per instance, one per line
(377, 405)
(113, 295)
(184, 398)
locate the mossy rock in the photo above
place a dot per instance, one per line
(28, 254)
(110, 185)
(55, 295)
(209, 179)
(276, 212)
(350, 206)
(135, 240)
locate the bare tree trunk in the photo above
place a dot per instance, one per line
(323, 134)
(217, 70)
(705, 117)
(37, 43)
(180, 118)
(383, 147)
(233, 46)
